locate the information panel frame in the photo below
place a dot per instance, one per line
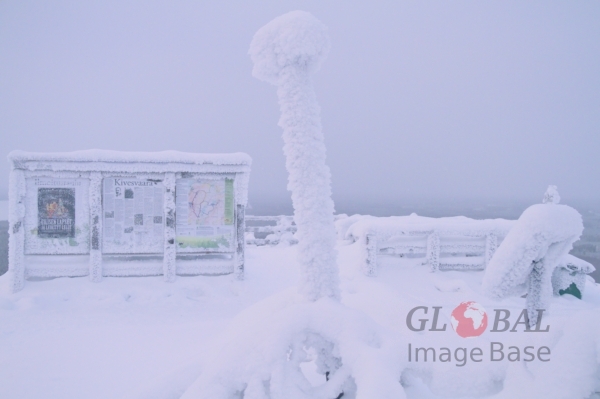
(74, 202)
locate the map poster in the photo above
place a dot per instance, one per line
(205, 214)
(56, 212)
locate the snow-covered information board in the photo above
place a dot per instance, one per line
(107, 213)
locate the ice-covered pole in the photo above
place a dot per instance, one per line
(286, 52)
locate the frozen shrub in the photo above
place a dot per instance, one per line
(533, 248)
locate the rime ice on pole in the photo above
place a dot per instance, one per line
(533, 248)
(260, 355)
(286, 52)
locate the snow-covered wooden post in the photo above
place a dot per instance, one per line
(433, 251)
(491, 244)
(286, 52)
(95, 195)
(16, 230)
(170, 255)
(240, 242)
(371, 254)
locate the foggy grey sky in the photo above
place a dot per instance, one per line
(436, 100)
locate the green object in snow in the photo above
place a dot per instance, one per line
(572, 289)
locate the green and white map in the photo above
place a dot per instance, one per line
(204, 214)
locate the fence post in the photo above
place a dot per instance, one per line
(491, 244)
(16, 230)
(170, 251)
(433, 251)
(239, 253)
(370, 267)
(95, 199)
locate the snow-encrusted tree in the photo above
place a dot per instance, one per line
(532, 249)
(286, 52)
(259, 355)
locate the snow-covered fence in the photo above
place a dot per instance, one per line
(106, 213)
(262, 230)
(454, 243)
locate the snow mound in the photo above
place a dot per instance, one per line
(260, 354)
(454, 285)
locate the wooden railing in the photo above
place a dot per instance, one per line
(440, 250)
(270, 230)
(450, 243)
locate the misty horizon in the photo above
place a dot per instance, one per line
(480, 102)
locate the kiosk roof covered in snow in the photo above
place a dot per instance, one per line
(126, 213)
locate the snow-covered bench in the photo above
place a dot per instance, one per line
(450, 243)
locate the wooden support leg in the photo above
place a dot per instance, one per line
(95, 199)
(240, 247)
(16, 230)
(370, 266)
(170, 249)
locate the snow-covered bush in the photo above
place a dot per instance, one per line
(286, 52)
(533, 248)
(260, 355)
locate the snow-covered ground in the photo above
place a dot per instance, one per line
(144, 338)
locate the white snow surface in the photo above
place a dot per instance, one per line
(142, 338)
(578, 264)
